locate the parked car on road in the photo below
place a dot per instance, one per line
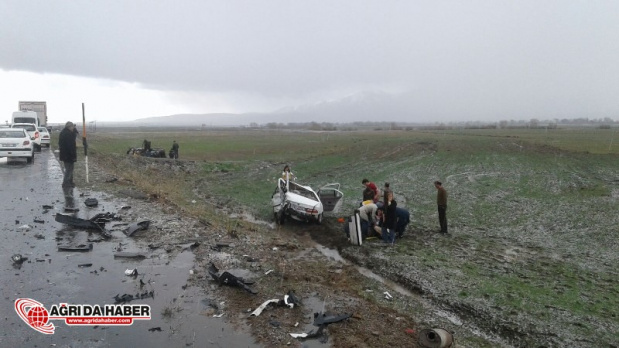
(16, 143)
(32, 130)
(44, 134)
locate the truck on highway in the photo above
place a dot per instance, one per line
(26, 117)
(40, 107)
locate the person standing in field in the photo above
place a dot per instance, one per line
(386, 188)
(372, 186)
(389, 218)
(287, 174)
(174, 150)
(68, 153)
(441, 201)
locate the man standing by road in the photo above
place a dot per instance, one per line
(68, 153)
(175, 149)
(441, 201)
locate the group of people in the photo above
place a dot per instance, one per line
(383, 218)
(146, 150)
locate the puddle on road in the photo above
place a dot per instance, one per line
(52, 277)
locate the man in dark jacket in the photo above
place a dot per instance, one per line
(403, 217)
(68, 153)
(174, 150)
(441, 201)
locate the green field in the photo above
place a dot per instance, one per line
(533, 213)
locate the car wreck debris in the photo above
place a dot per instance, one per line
(91, 202)
(131, 272)
(81, 247)
(81, 223)
(128, 298)
(130, 255)
(229, 279)
(138, 226)
(290, 300)
(323, 319)
(311, 334)
(435, 338)
(17, 258)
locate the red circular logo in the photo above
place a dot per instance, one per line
(38, 316)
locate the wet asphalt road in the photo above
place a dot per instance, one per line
(52, 277)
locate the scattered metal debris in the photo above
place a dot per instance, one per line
(81, 223)
(17, 258)
(83, 265)
(388, 295)
(81, 247)
(131, 272)
(130, 255)
(38, 221)
(323, 319)
(313, 334)
(290, 300)
(189, 246)
(48, 207)
(138, 226)
(219, 246)
(25, 227)
(229, 279)
(128, 298)
(91, 202)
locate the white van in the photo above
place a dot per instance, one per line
(26, 117)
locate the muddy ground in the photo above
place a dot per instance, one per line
(276, 259)
(428, 289)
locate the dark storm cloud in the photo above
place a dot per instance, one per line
(478, 58)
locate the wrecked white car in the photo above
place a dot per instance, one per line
(291, 200)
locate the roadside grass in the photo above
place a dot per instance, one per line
(533, 213)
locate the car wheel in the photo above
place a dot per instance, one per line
(30, 159)
(319, 219)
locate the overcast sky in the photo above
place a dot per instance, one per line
(436, 60)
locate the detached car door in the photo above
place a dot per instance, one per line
(330, 197)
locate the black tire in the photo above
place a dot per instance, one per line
(319, 219)
(30, 160)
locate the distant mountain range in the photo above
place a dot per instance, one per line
(360, 107)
